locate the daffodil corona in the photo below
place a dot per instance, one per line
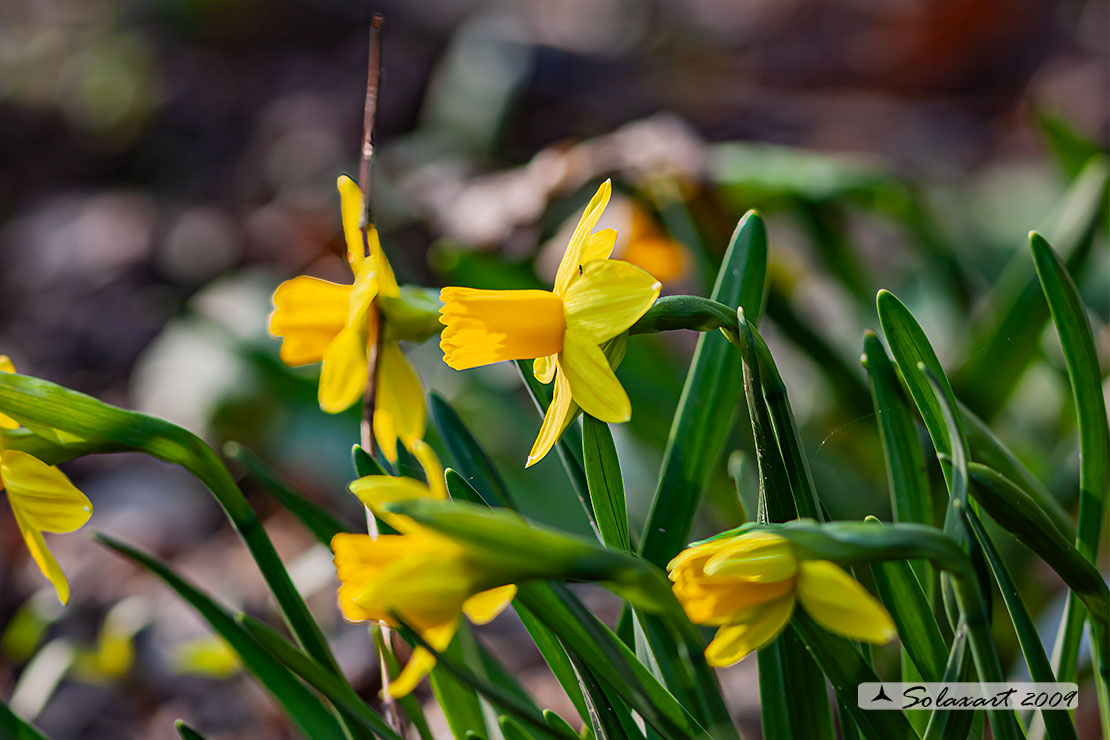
(321, 321)
(748, 586)
(594, 300)
(42, 499)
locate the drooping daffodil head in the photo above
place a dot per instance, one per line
(338, 325)
(419, 578)
(748, 586)
(564, 330)
(42, 499)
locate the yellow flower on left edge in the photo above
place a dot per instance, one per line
(321, 321)
(42, 499)
(424, 578)
(595, 299)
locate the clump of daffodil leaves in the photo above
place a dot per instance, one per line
(426, 561)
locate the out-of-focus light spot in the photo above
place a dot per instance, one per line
(201, 243)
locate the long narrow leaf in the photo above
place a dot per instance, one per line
(468, 454)
(708, 402)
(1081, 358)
(302, 706)
(603, 476)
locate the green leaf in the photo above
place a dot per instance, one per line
(13, 727)
(794, 699)
(185, 732)
(987, 449)
(555, 657)
(460, 489)
(1081, 358)
(909, 482)
(845, 669)
(911, 349)
(1018, 514)
(315, 675)
(512, 730)
(973, 610)
(918, 630)
(603, 476)
(468, 455)
(505, 701)
(946, 724)
(569, 446)
(708, 402)
(1057, 723)
(557, 723)
(365, 463)
(75, 420)
(409, 704)
(302, 706)
(789, 441)
(459, 701)
(609, 715)
(315, 518)
(609, 659)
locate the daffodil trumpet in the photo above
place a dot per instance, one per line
(340, 326)
(42, 499)
(749, 584)
(424, 578)
(594, 300)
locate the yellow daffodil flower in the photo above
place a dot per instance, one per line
(748, 584)
(425, 578)
(321, 321)
(42, 499)
(594, 300)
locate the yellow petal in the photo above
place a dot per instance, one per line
(433, 469)
(6, 366)
(544, 368)
(609, 297)
(343, 376)
(719, 601)
(758, 557)
(42, 556)
(376, 490)
(350, 208)
(555, 421)
(487, 326)
(838, 602)
(359, 559)
(598, 246)
(399, 410)
(422, 661)
(308, 313)
(42, 495)
(368, 254)
(734, 642)
(572, 258)
(484, 607)
(593, 384)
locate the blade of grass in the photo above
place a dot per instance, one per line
(918, 630)
(1081, 359)
(306, 711)
(1057, 723)
(947, 724)
(708, 402)
(185, 732)
(458, 699)
(603, 476)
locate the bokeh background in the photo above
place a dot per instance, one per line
(164, 164)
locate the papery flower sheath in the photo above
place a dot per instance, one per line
(42, 499)
(321, 321)
(594, 300)
(748, 586)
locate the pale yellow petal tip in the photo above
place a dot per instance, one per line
(343, 181)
